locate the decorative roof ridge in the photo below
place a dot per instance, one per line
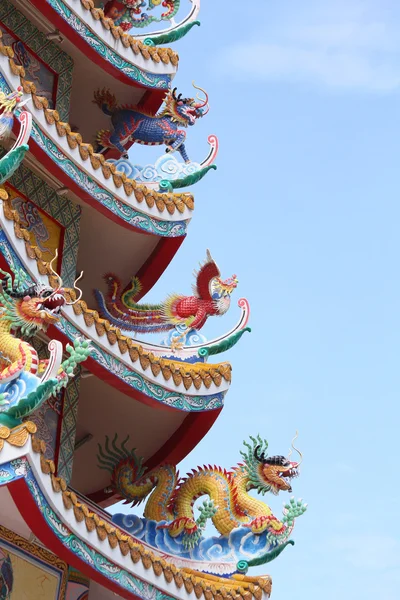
(165, 55)
(202, 584)
(169, 201)
(196, 374)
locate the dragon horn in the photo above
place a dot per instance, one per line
(298, 451)
(80, 293)
(202, 101)
(259, 457)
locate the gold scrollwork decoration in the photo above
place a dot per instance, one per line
(18, 436)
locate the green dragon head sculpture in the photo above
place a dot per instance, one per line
(268, 473)
(29, 308)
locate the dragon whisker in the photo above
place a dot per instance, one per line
(60, 281)
(202, 101)
(80, 293)
(298, 451)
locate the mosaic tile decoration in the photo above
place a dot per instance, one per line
(68, 428)
(61, 209)
(47, 416)
(47, 51)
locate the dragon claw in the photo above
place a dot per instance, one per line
(176, 345)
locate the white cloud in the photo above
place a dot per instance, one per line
(345, 45)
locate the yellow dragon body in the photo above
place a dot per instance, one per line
(24, 310)
(30, 310)
(171, 500)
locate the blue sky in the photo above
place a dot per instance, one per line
(305, 209)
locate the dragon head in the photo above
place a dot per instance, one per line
(269, 473)
(33, 307)
(39, 304)
(185, 110)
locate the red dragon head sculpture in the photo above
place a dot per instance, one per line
(185, 110)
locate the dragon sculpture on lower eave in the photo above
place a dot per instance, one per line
(212, 296)
(172, 499)
(25, 381)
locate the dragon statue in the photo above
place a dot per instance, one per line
(131, 124)
(212, 296)
(25, 380)
(171, 501)
(128, 13)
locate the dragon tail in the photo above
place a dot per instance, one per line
(105, 100)
(128, 475)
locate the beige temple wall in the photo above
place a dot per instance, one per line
(30, 572)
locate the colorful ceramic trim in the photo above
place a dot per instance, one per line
(209, 401)
(124, 211)
(176, 400)
(150, 80)
(51, 54)
(104, 197)
(15, 469)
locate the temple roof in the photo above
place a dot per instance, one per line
(156, 54)
(190, 374)
(169, 202)
(92, 530)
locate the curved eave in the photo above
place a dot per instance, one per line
(86, 539)
(91, 178)
(103, 43)
(117, 359)
(202, 409)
